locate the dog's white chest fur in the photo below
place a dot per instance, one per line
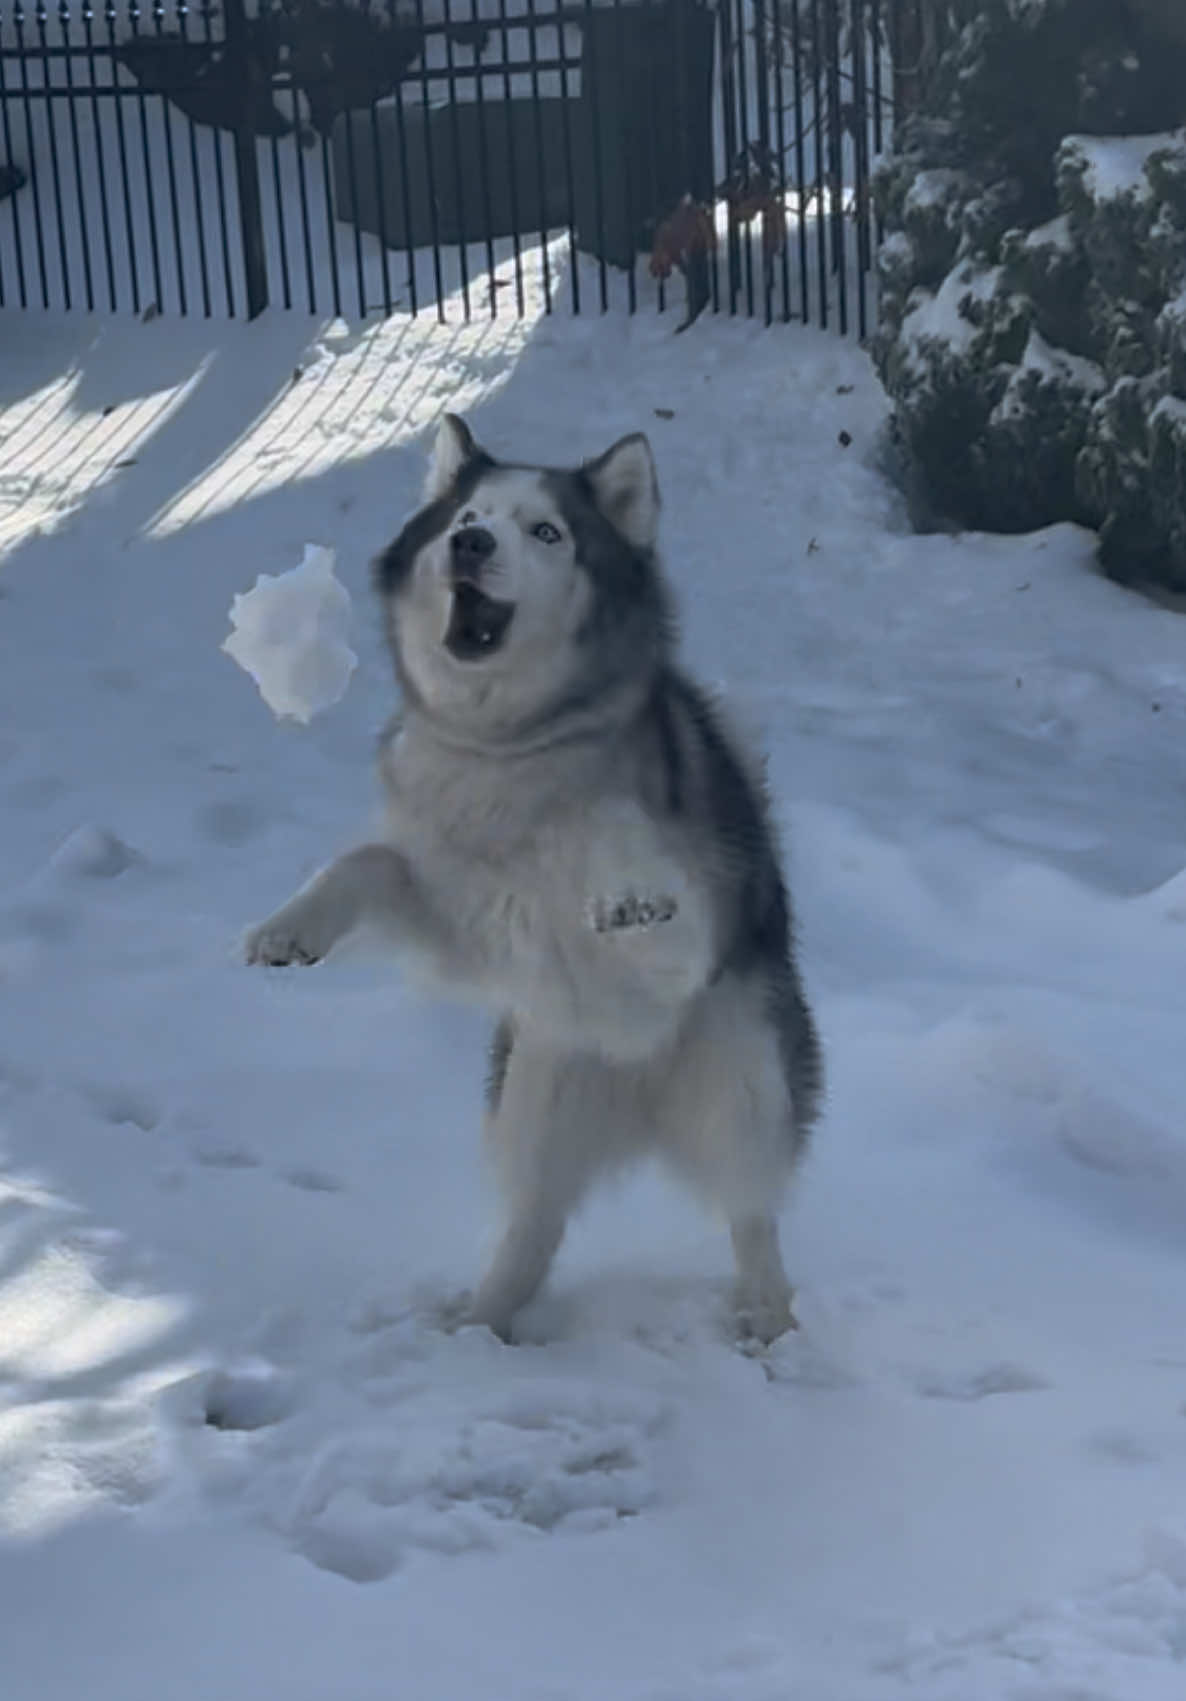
(563, 904)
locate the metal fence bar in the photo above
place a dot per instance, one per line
(154, 242)
(17, 238)
(512, 160)
(569, 174)
(770, 171)
(281, 223)
(251, 224)
(352, 168)
(206, 13)
(876, 29)
(876, 32)
(76, 157)
(704, 282)
(860, 132)
(729, 115)
(401, 132)
(195, 177)
(331, 235)
(835, 136)
(113, 89)
(781, 129)
(740, 168)
(430, 176)
(705, 165)
(800, 162)
(129, 118)
(42, 15)
(590, 85)
(381, 199)
(648, 163)
(158, 23)
(622, 165)
(537, 120)
(18, 19)
(484, 170)
(303, 202)
(817, 126)
(458, 171)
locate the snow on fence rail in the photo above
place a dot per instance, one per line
(405, 155)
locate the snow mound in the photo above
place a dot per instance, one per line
(290, 635)
(93, 853)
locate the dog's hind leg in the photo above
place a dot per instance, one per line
(726, 1126)
(764, 1294)
(548, 1133)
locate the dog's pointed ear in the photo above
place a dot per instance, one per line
(453, 448)
(626, 489)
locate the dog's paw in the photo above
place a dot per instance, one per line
(762, 1318)
(630, 912)
(453, 1312)
(279, 943)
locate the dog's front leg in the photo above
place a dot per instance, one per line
(370, 884)
(519, 1266)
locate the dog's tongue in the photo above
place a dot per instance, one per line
(477, 623)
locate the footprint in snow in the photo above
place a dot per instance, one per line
(454, 1479)
(246, 1400)
(123, 1106)
(313, 1180)
(231, 821)
(1122, 1447)
(967, 1386)
(211, 1155)
(45, 921)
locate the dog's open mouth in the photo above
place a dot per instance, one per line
(477, 624)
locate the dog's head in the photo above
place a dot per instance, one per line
(515, 592)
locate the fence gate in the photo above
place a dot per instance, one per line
(452, 156)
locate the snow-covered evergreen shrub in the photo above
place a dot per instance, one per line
(1033, 282)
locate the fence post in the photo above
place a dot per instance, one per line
(251, 220)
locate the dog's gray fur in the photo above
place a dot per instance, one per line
(574, 838)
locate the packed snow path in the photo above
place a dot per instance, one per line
(237, 1456)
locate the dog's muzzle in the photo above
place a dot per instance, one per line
(469, 550)
(478, 623)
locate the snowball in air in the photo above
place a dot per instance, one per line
(290, 635)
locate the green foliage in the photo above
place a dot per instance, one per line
(1033, 285)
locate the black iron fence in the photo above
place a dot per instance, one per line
(467, 156)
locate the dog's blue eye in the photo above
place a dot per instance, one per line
(546, 532)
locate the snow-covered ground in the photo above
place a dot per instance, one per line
(237, 1458)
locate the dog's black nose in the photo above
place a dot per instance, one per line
(471, 546)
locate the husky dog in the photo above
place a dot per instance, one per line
(573, 838)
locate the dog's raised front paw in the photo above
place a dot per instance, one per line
(630, 912)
